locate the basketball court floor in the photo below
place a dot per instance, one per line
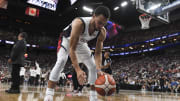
(29, 93)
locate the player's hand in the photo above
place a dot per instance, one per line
(100, 73)
(9, 61)
(81, 76)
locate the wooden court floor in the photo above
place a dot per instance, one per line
(37, 94)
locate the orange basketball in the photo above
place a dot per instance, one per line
(105, 85)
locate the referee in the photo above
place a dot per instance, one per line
(107, 64)
(17, 60)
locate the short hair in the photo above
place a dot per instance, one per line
(23, 35)
(102, 10)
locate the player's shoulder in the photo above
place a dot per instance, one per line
(103, 30)
(78, 20)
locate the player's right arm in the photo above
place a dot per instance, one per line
(77, 29)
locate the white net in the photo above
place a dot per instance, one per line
(145, 20)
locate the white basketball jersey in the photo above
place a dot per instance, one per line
(85, 36)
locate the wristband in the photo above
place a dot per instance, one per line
(98, 70)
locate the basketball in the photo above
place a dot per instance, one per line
(105, 85)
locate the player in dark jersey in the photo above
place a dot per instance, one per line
(107, 63)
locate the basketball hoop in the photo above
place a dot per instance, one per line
(145, 19)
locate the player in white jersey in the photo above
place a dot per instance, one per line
(73, 42)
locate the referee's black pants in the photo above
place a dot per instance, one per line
(15, 77)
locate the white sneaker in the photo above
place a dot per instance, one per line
(48, 98)
(79, 93)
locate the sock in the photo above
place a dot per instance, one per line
(49, 91)
(93, 95)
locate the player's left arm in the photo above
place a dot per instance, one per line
(99, 46)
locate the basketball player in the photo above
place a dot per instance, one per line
(107, 63)
(73, 42)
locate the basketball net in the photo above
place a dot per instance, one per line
(145, 20)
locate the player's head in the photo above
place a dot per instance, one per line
(101, 15)
(106, 54)
(22, 35)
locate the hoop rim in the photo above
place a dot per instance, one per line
(145, 20)
(144, 14)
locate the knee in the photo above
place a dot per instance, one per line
(54, 77)
(55, 73)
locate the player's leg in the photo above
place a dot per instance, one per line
(62, 57)
(84, 56)
(90, 63)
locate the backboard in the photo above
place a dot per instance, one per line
(145, 6)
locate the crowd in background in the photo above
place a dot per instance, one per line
(34, 38)
(30, 74)
(143, 35)
(154, 73)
